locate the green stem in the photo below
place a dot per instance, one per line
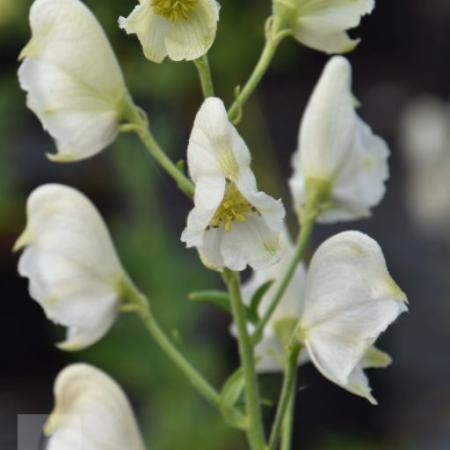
(287, 391)
(137, 122)
(255, 429)
(302, 241)
(136, 298)
(273, 38)
(286, 431)
(204, 72)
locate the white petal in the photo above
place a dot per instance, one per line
(272, 210)
(71, 263)
(359, 185)
(210, 250)
(191, 39)
(269, 355)
(150, 29)
(328, 126)
(215, 147)
(180, 40)
(292, 302)
(250, 243)
(91, 412)
(337, 147)
(350, 300)
(72, 78)
(358, 384)
(322, 25)
(209, 192)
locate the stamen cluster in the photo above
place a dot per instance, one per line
(174, 10)
(233, 207)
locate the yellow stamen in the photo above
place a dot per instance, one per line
(233, 207)
(174, 10)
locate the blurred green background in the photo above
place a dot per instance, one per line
(404, 51)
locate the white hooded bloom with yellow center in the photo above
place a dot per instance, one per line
(72, 78)
(179, 29)
(323, 24)
(71, 263)
(232, 224)
(340, 307)
(337, 152)
(91, 413)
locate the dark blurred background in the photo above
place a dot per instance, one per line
(404, 52)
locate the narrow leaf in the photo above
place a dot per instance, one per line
(230, 396)
(252, 310)
(217, 298)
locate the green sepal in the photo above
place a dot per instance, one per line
(231, 398)
(220, 299)
(284, 331)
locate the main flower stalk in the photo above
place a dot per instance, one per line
(255, 429)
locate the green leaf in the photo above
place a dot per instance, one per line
(217, 298)
(252, 309)
(230, 397)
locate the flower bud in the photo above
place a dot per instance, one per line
(339, 163)
(72, 78)
(71, 263)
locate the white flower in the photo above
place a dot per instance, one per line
(350, 299)
(338, 153)
(269, 351)
(323, 24)
(342, 304)
(180, 29)
(72, 78)
(232, 224)
(71, 264)
(91, 413)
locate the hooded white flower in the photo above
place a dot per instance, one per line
(91, 413)
(232, 224)
(179, 29)
(72, 78)
(337, 152)
(347, 272)
(323, 24)
(73, 269)
(350, 299)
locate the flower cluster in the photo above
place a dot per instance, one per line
(331, 311)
